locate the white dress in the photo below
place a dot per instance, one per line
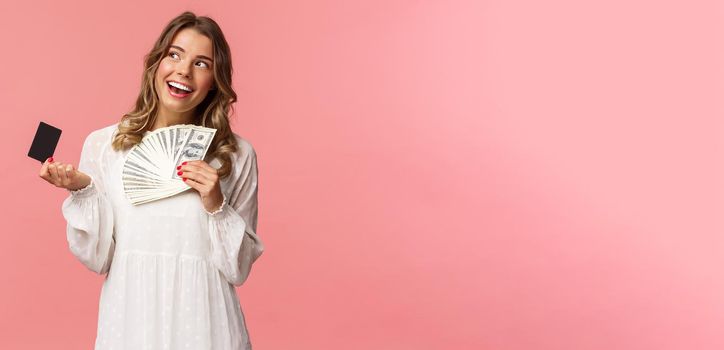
(171, 266)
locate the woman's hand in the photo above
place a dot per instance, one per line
(63, 175)
(203, 178)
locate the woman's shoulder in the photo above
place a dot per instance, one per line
(239, 158)
(101, 136)
(244, 148)
(104, 133)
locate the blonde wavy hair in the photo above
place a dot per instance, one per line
(212, 112)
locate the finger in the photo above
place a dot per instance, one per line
(69, 173)
(52, 169)
(196, 176)
(61, 175)
(192, 169)
(189, 167)
(193, 184)
(196, 173)
(202, 167)
(44, 168)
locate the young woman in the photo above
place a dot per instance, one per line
(171, 265)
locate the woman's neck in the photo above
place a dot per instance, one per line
(162, 121)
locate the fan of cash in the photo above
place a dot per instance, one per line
(149, 171)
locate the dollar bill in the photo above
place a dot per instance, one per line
(150, 173)
(195, 147)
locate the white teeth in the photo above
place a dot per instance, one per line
(179, 86)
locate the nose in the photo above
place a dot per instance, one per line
(183, 70)
(184, 73)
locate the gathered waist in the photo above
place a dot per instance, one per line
(126, 252)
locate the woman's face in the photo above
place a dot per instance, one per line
(188, 61)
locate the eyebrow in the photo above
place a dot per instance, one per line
(199, 56)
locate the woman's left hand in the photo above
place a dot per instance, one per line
(203, 178)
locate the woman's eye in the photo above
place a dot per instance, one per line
(176, 53)
(170, 54)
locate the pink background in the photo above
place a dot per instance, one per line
(433, 174)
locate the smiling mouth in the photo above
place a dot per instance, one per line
(176, 92)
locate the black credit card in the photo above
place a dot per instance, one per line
(44, 143)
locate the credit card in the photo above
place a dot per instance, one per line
(44, 143)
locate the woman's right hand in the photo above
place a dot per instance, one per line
(63, 175)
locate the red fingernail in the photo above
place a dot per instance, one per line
(184, 179)
(178, 167)
(184, 163)
(50, 159)
(180, 172)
